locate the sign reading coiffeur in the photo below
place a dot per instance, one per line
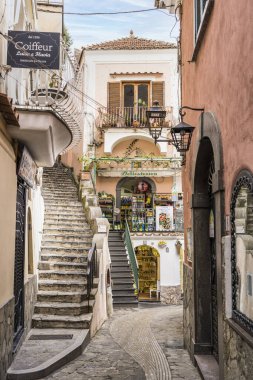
(35, 50)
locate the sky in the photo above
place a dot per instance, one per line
(86, 30)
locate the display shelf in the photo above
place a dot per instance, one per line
(106, 204)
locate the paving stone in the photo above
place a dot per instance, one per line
(148, 334)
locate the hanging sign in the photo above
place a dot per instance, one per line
(164, 218)
(37, 50)
(27, 168)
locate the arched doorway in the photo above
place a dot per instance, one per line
(207, 213)
(149, 273)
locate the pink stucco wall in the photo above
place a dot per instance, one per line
(221, 80)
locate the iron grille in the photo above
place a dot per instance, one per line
(19, 263)
(245, 179)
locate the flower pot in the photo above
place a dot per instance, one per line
(85, 176)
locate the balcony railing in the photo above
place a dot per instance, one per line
(133, 117)
(57, 91)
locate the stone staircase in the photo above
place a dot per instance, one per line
(122, 277)
(62, 297)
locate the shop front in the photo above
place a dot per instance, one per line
(144, 208)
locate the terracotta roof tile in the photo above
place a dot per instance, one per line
(131, 43)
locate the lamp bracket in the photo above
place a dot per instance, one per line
(182, 114)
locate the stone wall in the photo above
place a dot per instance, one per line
(238, 356)
(188, 307)
(30, 299)
(171, 295)
(6, 336)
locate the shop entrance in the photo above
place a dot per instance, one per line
(149, 273)
(134, 198)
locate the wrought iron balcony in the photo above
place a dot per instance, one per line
(132, 117)
(46, 98)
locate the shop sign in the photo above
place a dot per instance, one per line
(164, 218)
(134, 173)
(27, 168)
(34, 50)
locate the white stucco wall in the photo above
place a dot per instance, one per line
(97, 66)
(169, 258)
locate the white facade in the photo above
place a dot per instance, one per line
(103, 66)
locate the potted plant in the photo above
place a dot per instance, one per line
(87, 164)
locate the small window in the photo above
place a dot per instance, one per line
(202, 12)
(199, 13)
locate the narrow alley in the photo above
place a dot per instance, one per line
(135, 344)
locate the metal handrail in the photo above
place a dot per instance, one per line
(131, 253)
(92, 270)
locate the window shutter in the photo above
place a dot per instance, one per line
(158, 92)
(113, 95)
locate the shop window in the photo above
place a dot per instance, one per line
(242, 248)
(202, 11)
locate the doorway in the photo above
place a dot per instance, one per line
(148, 259)
(205, 259)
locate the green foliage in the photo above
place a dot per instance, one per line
(67, 37)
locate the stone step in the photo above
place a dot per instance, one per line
(52, 244)
(62, 321)
(116, 244)
(118, 256)
(120, 261)
(57, 296)
(63, 224)
(121, 269)
(122, 275)
(125, 303)
(60, 202)
(61, 193)
(122, 281)
(64, 239)
(62, 286)
(65, 207)
(58, 265)
(67, 232)
(62, 274)
(65, 251)
(64, 213)
(63, 308)
(51, 187)
(67, 258)
(61, 198)
(123, 288)
(123, 293)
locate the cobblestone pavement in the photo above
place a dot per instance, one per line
(134, 345)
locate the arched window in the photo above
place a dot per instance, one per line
(242, 250)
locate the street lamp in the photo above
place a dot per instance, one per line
(155, 116)
(181, 134)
